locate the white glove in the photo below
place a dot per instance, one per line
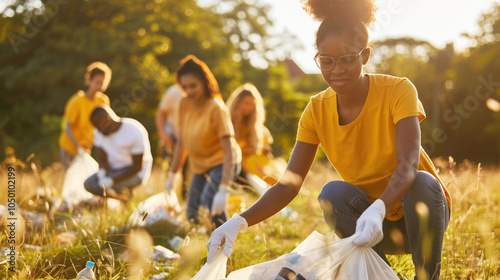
(103, 180)
(101, 174)
(173, 180)
(220, 200)
(80, 151)
(225, 235)
(369, 225)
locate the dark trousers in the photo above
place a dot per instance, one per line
(202, 191)
(421, 236)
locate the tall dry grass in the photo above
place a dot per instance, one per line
(471, 248)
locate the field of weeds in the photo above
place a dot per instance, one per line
(56, 245)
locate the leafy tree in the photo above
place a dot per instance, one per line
(474, 78)
(44, 51)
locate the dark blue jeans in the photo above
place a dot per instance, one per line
(92, 185)
(343, 203)
(202, 191)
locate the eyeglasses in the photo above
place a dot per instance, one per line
(327, 63)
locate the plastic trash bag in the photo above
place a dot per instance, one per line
(321, 257)
(216, 270)
(159, 210)
(257, 183)
(82, 167)
(265, 166)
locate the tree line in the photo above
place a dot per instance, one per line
(46, 45)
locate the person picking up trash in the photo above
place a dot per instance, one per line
(123, 154)
(368, 126)
(77, 137)
(207, 135)
(248, 115)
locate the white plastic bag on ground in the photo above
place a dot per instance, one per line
(159, 210)
(82, 167)
(321, 257)
(216, 270)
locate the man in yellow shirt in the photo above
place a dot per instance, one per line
(77, 137)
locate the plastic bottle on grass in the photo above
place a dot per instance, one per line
(87, 273)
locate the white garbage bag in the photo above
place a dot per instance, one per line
(82, 167)
(257, 183)
(160, 210)
(321, 257)
(216, 270)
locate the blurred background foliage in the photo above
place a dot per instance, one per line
(46, 45)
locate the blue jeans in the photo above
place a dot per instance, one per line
(343, 203)
(202, 191)
(92, 185)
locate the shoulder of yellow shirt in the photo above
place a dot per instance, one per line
(378, 79)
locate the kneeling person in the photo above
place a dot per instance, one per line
(123, 153)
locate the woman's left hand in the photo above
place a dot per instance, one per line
(369, 225)
(220, 200)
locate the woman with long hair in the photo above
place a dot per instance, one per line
(248, 116)
(207, 135)
(368, 126)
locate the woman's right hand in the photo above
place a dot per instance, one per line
(167, 141)
(173, 180)
(225, 235)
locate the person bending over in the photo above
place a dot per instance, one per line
(368, 126)
(207, 135)
(77, 137)
(248, 116)
(123, 153)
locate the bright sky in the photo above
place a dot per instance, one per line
(437, 21)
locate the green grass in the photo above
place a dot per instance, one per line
(471, 248)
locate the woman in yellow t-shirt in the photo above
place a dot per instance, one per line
(78, 135)
(368, 126)
(207, 135)
(248, 116)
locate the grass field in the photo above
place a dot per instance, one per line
(471, 248)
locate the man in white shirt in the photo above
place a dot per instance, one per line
(123, 153)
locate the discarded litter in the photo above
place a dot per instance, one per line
(176, 243)
(159, 276)
(289, 213)
(288, 274)
(64, 237)
(32, 247)
(257, 183)
(35, 220)
(162, 254)
(158, 211)
(87, 273)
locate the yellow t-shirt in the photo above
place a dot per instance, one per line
(249, 143)
(246, 145)
(363, 152)
(201, 130)
(77, 114)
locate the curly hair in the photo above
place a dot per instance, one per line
(98, 68)
(255, 122)
(192, 65)
(351, 17)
